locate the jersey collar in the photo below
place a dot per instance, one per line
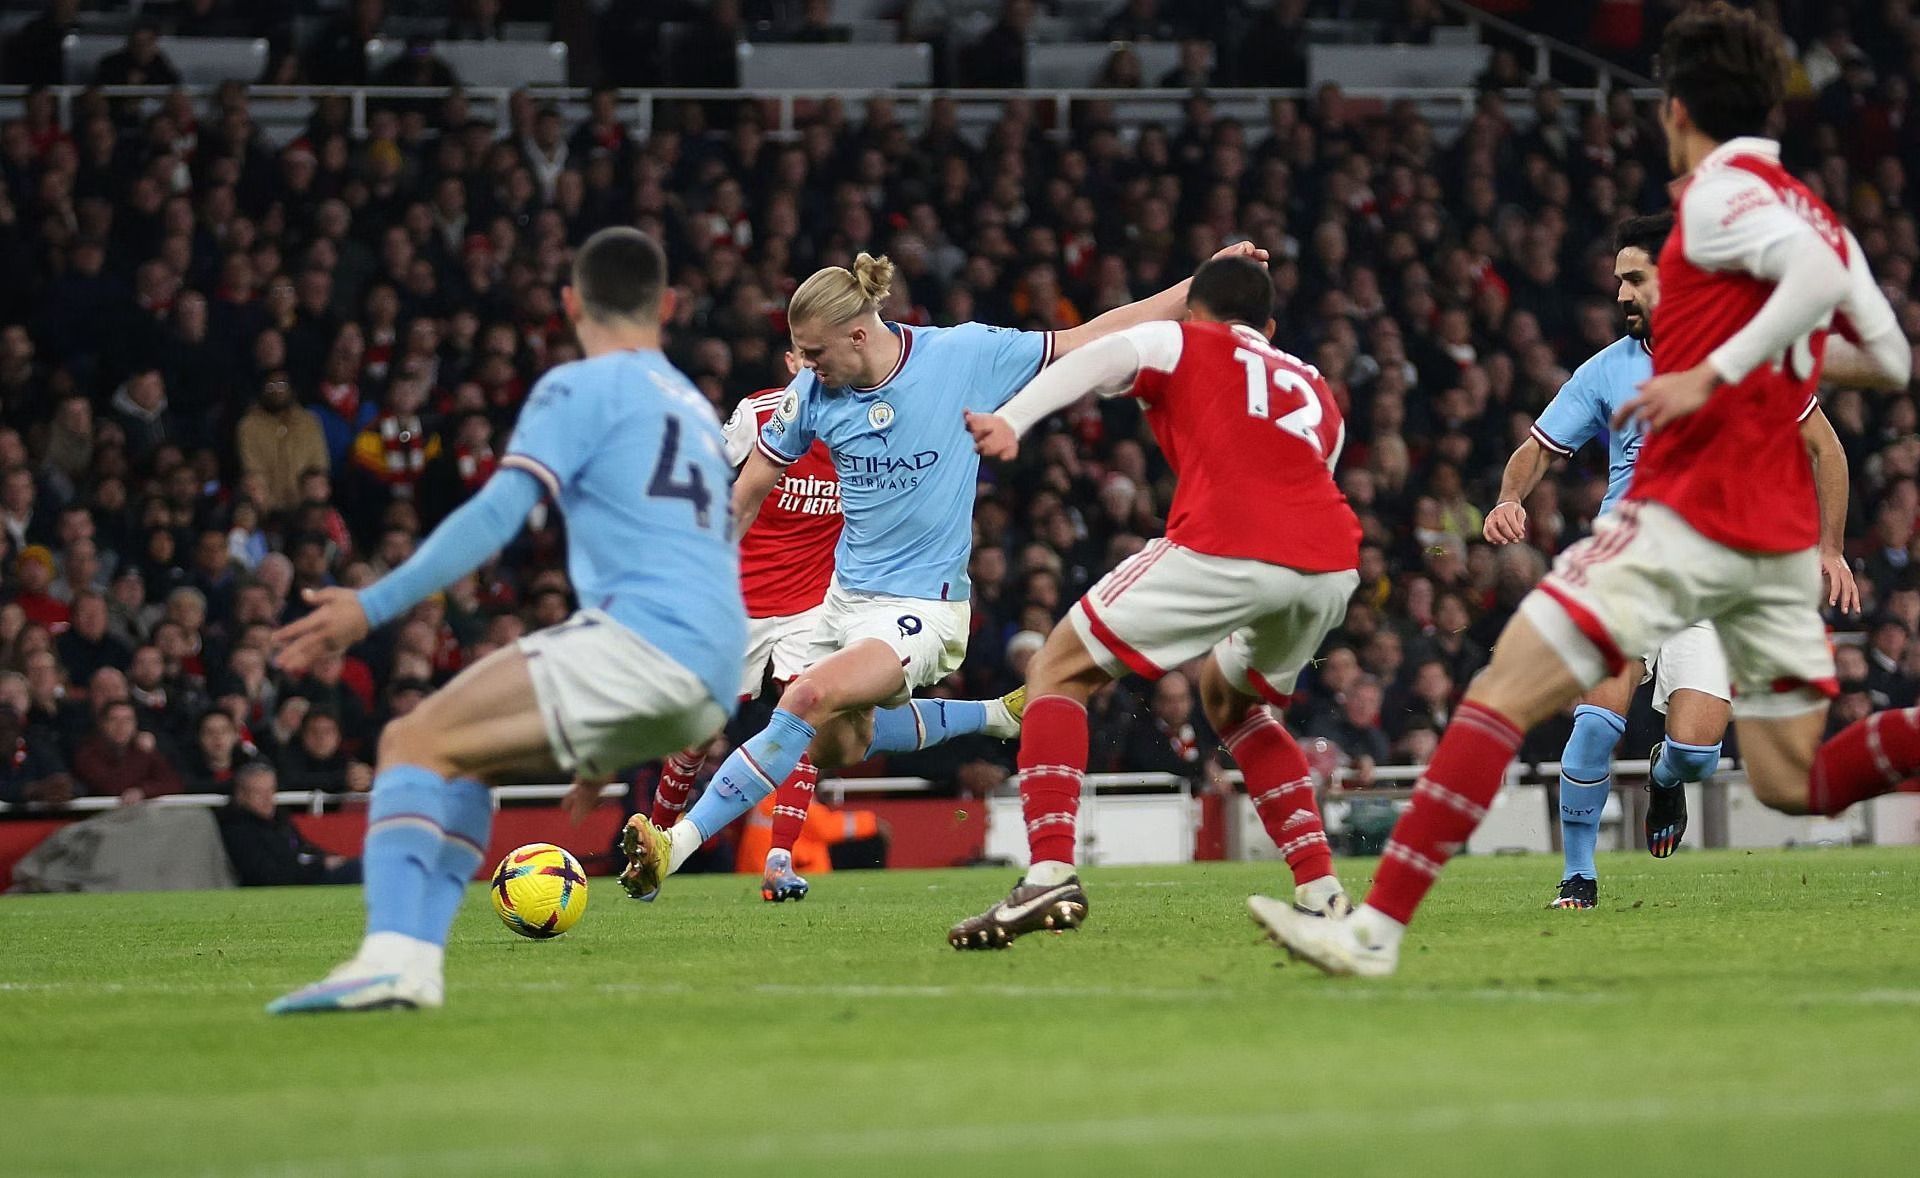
(1741, 145)
(906, 348)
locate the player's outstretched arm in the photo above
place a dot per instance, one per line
(1170, 303)
(476, 530)
(751, 486)
(1830, 486)
(1106, 367)
(1507, 522)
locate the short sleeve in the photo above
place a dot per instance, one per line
(1009, 358)
(1731, 219)
(549, 440)
(788, 434)
(1574, 416)
(740, 430)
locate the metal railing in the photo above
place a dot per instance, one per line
(1391, 777)
(786, 108)
(1608, 74)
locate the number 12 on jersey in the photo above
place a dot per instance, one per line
(1303, 422)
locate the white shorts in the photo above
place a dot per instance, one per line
(610, 698)
(1645, 575)
(1691, 660)
(1167, 604)
(929, 636)
(778, 645)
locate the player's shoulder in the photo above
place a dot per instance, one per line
(1725, 186)
(1623, 353)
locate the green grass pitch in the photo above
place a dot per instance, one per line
(1722, 1013)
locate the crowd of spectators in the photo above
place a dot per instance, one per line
(231, 371)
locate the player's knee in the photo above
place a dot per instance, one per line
(1226, 708)
(407, 741)
(1589, 753)
(1691, 762)
(806, 698)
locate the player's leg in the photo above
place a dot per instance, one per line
(923, 723)
(1783, 674)
(874, 651)
(1586, 778)
(782, 648)
(678, 774)
(1691, 686)
(681, 771)
(1617, 590)
(1052, 762)
(864, 674)
(1259, 665)
(427, 827)
(1159, 608)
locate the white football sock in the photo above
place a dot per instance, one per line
(686, 839)
(1319, 891)
(1048, 873)
(1375, 928)
(385, 951)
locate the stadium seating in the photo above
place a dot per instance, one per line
(200, 60)
(1077, 65)
(766, 66)
(487, 63)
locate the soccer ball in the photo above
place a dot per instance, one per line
(539, 891)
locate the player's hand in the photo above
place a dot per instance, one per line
(993, 437)
(1669, 397)
(1506, 523)
(1241, 249)
(583, 797)
(337, 622)
(1841, 588)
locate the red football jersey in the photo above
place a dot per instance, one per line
(1252, 434)
(786, 557)
(1736, 469)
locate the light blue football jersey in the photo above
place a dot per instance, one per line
(633, 454)
(1586, 403)
(906, 462)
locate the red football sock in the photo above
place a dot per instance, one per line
(1282, 793)
(1870, 757)
(1053, 760)
(1449, 801)
(790, 804)
(677, 775)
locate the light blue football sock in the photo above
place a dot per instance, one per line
(1681, 763)
(1586, 778)
(923, 723)
(405, 820)
(754, 770)
(469, 820)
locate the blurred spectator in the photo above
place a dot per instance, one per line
(1172, 737)
(139, 63)
(1355, 728)
(118, 760)
(999, 57)
(277, 442)
(33, 55)
(315, 760)
(32, 770)
(33, 569)
(266, 848)
(86, 646)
